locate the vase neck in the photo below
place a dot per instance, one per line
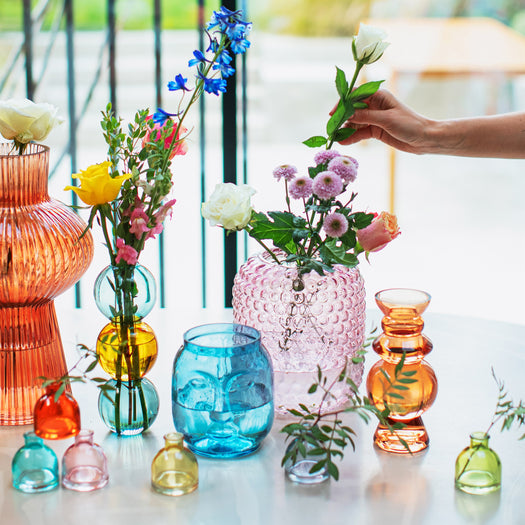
(23, 178)
(479, 439)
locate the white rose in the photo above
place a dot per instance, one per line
(368, 45)
(24, 121)
(229, 206)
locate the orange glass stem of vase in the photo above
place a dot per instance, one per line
(41, 256)
(402, 326)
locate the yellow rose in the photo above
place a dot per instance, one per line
(96, 184)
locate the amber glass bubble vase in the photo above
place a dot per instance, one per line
(42, 254)
(402, 326)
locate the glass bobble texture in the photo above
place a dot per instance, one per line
(304, 321)
(402, 326)
(299, 470)
(84, 464)
(478, 467)
(222, 390)
(35, 466)
(56, 418)
(174, 470)
(138, 403)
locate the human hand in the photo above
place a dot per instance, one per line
(390, 121)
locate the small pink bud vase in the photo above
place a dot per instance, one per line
(305, 321)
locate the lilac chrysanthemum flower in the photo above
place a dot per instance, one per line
(335, 224)
(327, 184)
(345, 167)
(285, 171)
(301, 187)
(325, 155)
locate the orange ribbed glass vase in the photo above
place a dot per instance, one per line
(402, 325)
(41, 255)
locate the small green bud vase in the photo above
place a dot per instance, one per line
(174, 470)
(478, 467)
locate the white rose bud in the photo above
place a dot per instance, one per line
(368, 45)
(229, 206)
(24, 121)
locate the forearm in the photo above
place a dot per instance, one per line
(498, 136)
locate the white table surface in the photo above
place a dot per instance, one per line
(374, 487)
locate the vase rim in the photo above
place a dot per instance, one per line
(38, 150)
(403, 297)
(479, 435)
(218, 329)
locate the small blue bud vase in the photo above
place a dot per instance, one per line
(222, 390)
(138, 403)
(35, 466)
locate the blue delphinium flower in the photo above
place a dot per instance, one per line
(199, 59)
(213, 85)
(178, 83)
(160, 116)
(223, 64)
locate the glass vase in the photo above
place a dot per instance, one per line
(222, 390)
(402, 326)
(84, 464)
(127, 347)
(478, 467)
(56, 418)
(137, 403)
(174, 470)
(298, 468)
(42, 254)
(305, 321)
(34, 466)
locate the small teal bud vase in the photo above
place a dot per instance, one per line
(127, 348)
(35, 466)
(84, 464)
(222, 390)
(174, 470)
(478, 467)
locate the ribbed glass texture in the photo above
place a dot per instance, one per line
(41, 256)
(34, 466)
(478, 467)
(222, 390)
(304, 322)
(174, 470)
(56, 418)
(130, 407)
(84, 464)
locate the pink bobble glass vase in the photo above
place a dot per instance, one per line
(305, 321)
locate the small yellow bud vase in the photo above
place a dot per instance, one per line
(478, 467)
(402, 326)
(174, 470)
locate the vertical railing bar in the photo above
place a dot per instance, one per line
(28, 48)
(112, 54)
(70, 51)
(229, 150)
(202, 141)
(157, 18)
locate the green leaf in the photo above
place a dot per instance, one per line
(365, 90)
(315, 142)
(341, 83)
(343, 134)
(318, 466)
(362, 220)
(280, 230)
(336, 119)
(312, 389)
(360, 105)
(332, 254)
(332, 470)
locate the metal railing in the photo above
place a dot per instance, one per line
(61, 13)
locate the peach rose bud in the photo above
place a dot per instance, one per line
(379, 233)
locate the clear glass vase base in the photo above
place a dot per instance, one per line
(85, 479)
(300, 473)
(38, 480)
(175, 483)
(477, 482)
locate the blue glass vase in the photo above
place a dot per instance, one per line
(222, 390)
(138, 403)
(35, 466)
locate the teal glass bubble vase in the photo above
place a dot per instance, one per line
(34, 466)
(478, 467)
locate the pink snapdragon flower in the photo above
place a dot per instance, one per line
(285, 171)
(379, 233)
(164, 210)
(301, 187)
(345, 167)
(327, 184)
(126, 253)
(153, 135)
(139, 222)
(335, 224)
